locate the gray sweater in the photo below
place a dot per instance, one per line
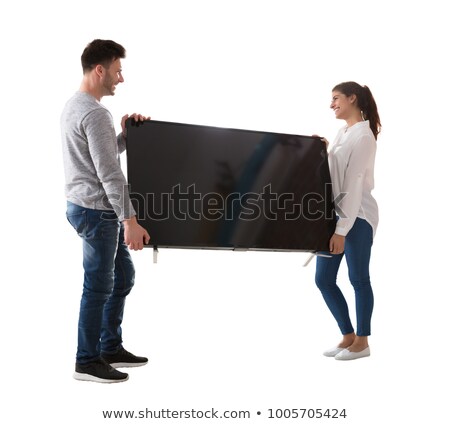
(94, 178)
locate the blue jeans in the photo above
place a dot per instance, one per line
(358, 244)
(108, 279)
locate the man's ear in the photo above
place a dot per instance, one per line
(99, 70)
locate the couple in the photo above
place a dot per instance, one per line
(93, 175)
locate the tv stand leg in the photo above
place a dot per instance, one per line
(311, 256)
(155, 254)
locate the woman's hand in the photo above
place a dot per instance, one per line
(337, 244)
(323, 139)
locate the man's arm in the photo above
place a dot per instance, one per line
(135, 235)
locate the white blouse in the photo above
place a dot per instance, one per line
(352, 159)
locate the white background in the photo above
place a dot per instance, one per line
(224, 330)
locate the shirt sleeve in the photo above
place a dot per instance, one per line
(360, 160)
(104, 151)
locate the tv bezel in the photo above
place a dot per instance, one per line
(331, 226)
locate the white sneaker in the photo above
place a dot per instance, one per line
(346, 355)
(333, 351)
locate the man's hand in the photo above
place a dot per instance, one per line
(135, 235)
(337, 244)
(137, 117)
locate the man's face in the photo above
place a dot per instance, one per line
(113, 76)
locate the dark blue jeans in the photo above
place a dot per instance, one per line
(108, 279)
(358, 244)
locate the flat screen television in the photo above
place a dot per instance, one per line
(204, 187)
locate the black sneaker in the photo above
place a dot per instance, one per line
(98, 371)
(124, 359)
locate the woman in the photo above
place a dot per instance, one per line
(351, 159)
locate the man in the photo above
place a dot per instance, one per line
(100, 210)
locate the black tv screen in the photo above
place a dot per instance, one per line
(197, 186)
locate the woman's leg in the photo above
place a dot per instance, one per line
(358, 246)
(326, 275)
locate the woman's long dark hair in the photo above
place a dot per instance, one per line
(365, 102)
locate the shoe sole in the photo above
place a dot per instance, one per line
(88, 377)
(128, 364)
(353, 355)
(351, 358)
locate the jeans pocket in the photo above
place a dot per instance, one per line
(77, 220)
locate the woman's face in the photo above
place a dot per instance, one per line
(342, 105)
